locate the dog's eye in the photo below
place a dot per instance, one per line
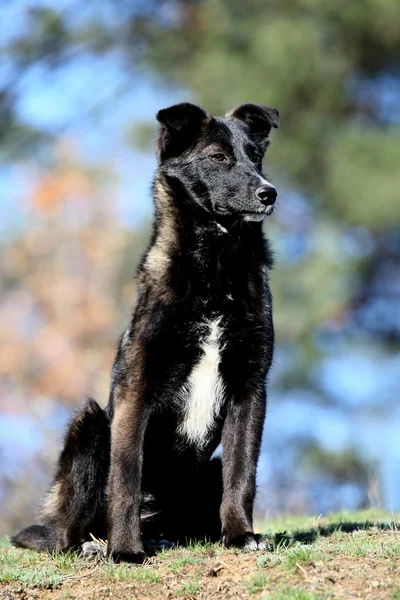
(257, 158)
(218, 157)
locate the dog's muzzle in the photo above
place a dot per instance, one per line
(267, 195)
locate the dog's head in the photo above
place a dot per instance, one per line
(217, 161)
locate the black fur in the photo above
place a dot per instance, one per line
(133, 472)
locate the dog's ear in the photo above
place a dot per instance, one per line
(258, 118)
(180, 126)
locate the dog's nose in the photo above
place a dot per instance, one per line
(267, 194)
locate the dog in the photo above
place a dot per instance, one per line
(191, 368)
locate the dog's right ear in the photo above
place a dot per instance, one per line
(180, 126)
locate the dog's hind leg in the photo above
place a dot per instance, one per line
(76, 504)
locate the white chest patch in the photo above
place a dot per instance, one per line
(203, 392)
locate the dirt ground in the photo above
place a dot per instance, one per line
(340, 557)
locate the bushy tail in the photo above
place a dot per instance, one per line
(35, 537)
(76, 504)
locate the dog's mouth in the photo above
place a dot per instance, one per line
(254, 216)
(259, 216)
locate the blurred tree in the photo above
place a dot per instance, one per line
(331, 68)
(66, 289)
(333, 71)
(60, 283)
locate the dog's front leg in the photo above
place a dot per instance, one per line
(241, 441)
(125, 486)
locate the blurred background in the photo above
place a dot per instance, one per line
(80, 83)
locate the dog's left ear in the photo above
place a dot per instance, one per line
(258, 118)
(180, 126)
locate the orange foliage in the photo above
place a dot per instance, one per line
(56, 187)
(62, 291)
(67, 181)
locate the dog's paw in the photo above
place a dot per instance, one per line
(256, 542)
(137, 556)
(93, 550)
(248, 542)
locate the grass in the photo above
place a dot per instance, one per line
(190, 588)
(27, 570)
(299, 555)
(258, 584)
(293, 594)
(129, 573)
(67, 562)
(346, 555)
(176, 565)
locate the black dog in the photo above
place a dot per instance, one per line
(191, 367)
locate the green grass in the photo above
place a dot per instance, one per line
(269, 560)
(131, 573)
(32, 570)
(257, 585)
(308, 555)
(293, 594)
(177, 564)
(67, 562)
(298, 556)
(26, 569)
(203, 547)
(343, 520)
(189, 588)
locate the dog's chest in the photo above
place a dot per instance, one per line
(202, 394)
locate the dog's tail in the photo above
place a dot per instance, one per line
(76, 504)
(35, 537)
